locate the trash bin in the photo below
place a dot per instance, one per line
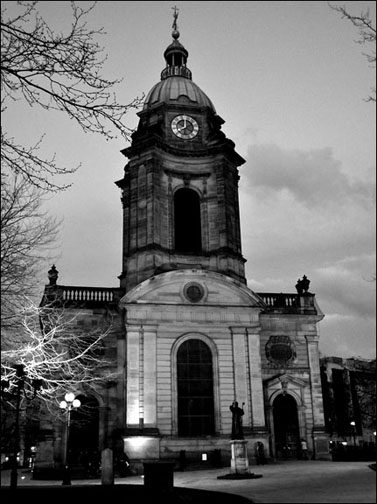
(159, 476)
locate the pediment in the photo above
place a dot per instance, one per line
(192, 287)
(283, 379)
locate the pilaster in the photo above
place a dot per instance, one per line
(150, 376)
(240, 371)
(256, 384)
(319, 436)
(315, 379)
(133, 376)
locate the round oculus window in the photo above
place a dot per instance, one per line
(194, 292)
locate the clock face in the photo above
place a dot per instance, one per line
(185, 127)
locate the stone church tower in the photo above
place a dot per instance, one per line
(192, 337)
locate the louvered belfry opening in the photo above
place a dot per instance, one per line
(187, 222)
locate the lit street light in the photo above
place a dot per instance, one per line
(69, 404)
(353, 432)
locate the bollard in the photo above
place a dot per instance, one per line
(107, 473)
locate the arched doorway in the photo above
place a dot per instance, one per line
(84, 433)
(286, 426)
(195, 389)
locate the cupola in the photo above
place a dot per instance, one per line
(176, 83)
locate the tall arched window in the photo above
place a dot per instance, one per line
(195, 389)
(187, 222)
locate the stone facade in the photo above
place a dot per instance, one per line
(190, 337)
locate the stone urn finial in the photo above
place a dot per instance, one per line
(53, 274)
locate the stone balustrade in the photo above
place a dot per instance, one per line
(83, 296)
(288, 303)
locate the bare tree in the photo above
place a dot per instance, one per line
(54, 71)
(59, 353)
(367, 34)
(53, 354)
(27, 235)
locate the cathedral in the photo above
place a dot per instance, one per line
(189, 336)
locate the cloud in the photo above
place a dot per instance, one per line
(300, 214)
(312, 177)
(348, 291)
(347, 336)
(299, 210)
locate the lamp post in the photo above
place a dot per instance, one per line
(20, 385)
(353, 424)
(19, 382)
(69, 404)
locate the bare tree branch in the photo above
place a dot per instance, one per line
(56, 71)
(27, 235)
(55, 349)
(367, 34)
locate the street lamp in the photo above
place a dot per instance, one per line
(19, 382)
(353, 432)
(69, 404)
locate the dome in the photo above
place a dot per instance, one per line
(170, 91)
(176, 85)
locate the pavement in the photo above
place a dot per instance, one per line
(281, 482)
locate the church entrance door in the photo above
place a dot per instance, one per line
(286, 427)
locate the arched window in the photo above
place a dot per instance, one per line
(195, 389)
(187, 223)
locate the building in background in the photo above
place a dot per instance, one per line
(188, 335)
(349, 398)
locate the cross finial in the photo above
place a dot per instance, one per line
(175, 16)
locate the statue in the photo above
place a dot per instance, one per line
(305, 282)
(302, 286)
(299, 288)
(237, 414)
